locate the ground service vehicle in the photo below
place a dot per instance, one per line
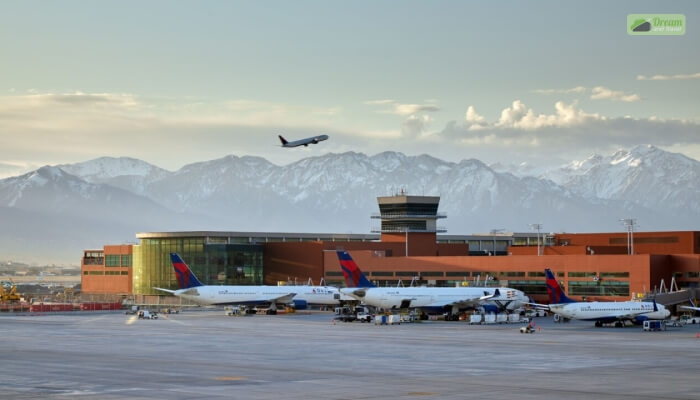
(362, 314)
(654, 325)
(145, 314)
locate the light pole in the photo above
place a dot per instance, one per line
(629, 223)
(537, 227)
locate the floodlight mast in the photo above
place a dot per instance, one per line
(629, 223)
(537, 227)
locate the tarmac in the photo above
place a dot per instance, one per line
(197, 355)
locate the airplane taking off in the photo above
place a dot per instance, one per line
(303, 142)
(601, 312)
(433, 299)
(300, 296)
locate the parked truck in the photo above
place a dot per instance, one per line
(145, 314)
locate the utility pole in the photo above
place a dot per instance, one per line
(537, 227)
(629, 223)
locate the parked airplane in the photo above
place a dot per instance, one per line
(303, 142)
(601, 312)
(691, 308)
(299, 296)
(433, 299)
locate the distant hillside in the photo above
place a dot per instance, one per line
(53, 213)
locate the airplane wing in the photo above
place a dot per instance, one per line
(690, 308)
(539, 306)
(281, 299)
(165, 290)
(452, 302)
(464, 302)
(287, 298)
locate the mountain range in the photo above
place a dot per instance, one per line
(55, 212)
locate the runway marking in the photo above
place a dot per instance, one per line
(174, 320)
(422, 393)
(230, 378)
(131, 320)
(92, 319)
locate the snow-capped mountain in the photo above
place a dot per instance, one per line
(122, 172)
(113, 198)
(644, 175)
(53, 215)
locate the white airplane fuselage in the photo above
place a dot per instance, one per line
(426, 298)
(220, 295)
(610, 311)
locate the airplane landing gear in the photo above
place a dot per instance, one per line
(598, 324)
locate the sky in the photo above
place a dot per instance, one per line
(176, 82)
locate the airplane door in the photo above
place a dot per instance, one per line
(405, 303)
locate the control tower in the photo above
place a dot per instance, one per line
(410, 219)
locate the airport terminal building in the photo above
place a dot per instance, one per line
(407, 245)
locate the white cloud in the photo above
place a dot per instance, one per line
(380, 102)
(403, 109)
(570, 129)
(474, 120)
(518, 116)
(577, 89)
(668, 77)
(415, 126)
(603, 93)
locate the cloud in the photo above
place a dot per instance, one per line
(603, 93)
(668, 77)
(569, 129)
(380, 102)
(577, 89)
(415, 126)
(403, 109)
(518, 116)
(474, 120)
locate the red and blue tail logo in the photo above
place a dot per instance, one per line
(555, 291)
(354, 278)
(185, 277)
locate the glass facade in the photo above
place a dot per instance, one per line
(600, 288)
(212, 263)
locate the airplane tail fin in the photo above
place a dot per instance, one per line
(283, 140)
(185, 277)
(354, 278)
(555, 291)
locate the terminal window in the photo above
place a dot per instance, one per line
(127, 260)
(614, 274)
(112, 260)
